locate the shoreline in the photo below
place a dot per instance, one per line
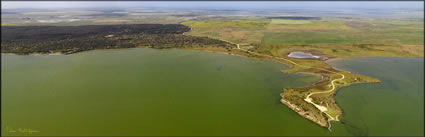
(326, 61)
(302, 113)
(259, 56)
(234, 52)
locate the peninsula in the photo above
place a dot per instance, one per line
(281, 39)
(314, 102)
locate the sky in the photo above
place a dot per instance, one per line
(211, 4)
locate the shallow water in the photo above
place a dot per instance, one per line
(148, 92)
(393, 107)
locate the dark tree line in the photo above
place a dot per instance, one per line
(71, 39)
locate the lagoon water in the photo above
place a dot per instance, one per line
(147, 92)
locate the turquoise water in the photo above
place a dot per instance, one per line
(148, 92)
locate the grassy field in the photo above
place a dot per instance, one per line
(238, 31)
(287, 21)
(331, 36)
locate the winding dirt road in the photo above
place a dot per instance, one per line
(322, 109)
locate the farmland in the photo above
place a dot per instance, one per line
(332, 36)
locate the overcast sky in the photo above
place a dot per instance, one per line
(134, 4)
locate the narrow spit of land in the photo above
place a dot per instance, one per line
(330, 76)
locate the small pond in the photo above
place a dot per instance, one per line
(302, 55)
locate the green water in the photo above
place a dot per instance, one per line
(149, 92)
(394, 107)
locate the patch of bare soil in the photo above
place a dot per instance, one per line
(413, 49)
